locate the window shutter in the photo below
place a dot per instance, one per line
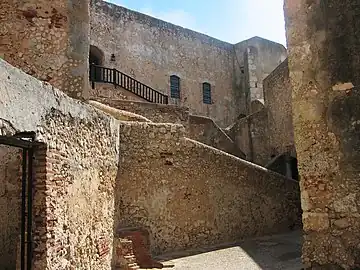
(206, 93)
(174, 86)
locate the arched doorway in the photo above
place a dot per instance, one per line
(96, 56)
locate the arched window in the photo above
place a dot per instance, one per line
(174, 86)
(207, 93)
(96, 56)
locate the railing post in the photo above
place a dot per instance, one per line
(114, 76)
(92, 75)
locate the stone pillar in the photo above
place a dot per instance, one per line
(324, 61)
(48, 40)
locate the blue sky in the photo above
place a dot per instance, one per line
(228, 20)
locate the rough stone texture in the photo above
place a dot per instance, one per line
(159, 113)
(48, 40)
(324, 44)
(198, 195)
(205, 130)
(109, 91)
(254, 60)
(152, 50)
(251, 136)
(199, 128)
(124, 257)
(119, 114)
(75, 172)
(277, 92)
(256, 105)
(10, 205)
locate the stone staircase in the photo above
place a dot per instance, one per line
(199, 128)
(132, 250)
(124, 255)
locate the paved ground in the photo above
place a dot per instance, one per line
(270, 253)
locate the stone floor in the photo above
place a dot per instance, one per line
(270, 253)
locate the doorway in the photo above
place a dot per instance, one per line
(16, 201)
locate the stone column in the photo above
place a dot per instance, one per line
(48, 40)
(324, 61)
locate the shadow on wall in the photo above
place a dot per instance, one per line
(205, 130)
(284, 164)
(10, 205)
(189, 195)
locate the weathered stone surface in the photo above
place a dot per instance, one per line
(48, 40)
(119, 114)
(158, 113)
(324, 45)
(197, 195)
(205, 130)
(107, 91)
(10, 205)
(152, 50)
(75, 171)
(251, 136)
(277, 94)
(254, 60)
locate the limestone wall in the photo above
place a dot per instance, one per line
(48, 40)
(10, 205)
(152, 50)
(107, 91)
(75, 172)
(250, 134)
(324, 44)
(158, 113)
(189, 195)
(205, 130)
(277, 92)
(254, 60)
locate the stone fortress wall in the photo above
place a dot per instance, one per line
(74, 175)
(324, 46)
(44, 39)
(85, 175)
(152, 50)
(82, 195)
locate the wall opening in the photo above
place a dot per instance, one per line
(175, 86)
(284, 164)
(207, 93)
(16, 200)
(96, 56)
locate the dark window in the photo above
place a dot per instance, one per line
(207, 93)
(174, 86)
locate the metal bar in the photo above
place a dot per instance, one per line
(11, 141)
(29, 208)
(23, 208)
(125, 81)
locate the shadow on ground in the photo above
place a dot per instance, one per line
(271, 253)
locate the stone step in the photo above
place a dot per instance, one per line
(133, 266)
(140, 245)
(130, 258)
